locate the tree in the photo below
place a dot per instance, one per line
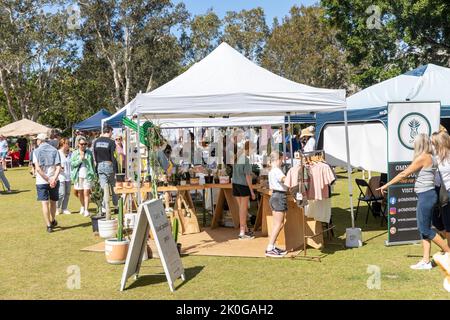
(304, 49)
(33, 47)
(128, 35)
(386, 38)
(246, 31)
(204, 36)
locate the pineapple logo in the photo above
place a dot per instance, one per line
(410, 127)
(414, 125)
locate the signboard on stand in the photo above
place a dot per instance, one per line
(151, 215)
(406, 120)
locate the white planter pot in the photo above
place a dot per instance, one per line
(116, 251)
(107, 229)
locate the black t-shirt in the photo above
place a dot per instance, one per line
(104, 149)
(22, 142)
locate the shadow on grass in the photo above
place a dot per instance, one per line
(146, 280)
(13, 192)
(81, 225)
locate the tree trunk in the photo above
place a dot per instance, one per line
(8, 97)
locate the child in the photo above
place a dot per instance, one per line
(278, 203)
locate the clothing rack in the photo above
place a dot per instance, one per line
(304, 157)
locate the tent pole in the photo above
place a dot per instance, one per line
(290, 139)
(349, 169)
(284, 141)
(138, 143)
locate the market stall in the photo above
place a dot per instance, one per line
(223, 89)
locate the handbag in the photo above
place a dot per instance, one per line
(443, 194)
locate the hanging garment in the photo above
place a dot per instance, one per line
(319, 210)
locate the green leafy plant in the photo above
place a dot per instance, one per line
(255, 169)
(175, 226)
(120, 221)
(97, 195)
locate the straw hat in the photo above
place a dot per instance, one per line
(307, 132)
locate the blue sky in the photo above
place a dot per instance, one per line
(272, 8)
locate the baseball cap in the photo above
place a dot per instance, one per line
(41, 136)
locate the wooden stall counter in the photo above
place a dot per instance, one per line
(292, 234)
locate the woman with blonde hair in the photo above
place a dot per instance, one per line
(424, 187)
(441, 144)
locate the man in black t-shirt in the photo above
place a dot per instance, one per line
(22, 144)
(106, 163)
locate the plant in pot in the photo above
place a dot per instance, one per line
(107, 227)
(209, 178)
(175, 226)
(116, 249)
(97, 198)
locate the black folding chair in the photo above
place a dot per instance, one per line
(369, 199)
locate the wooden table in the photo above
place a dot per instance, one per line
(292, 234)
(184, 208)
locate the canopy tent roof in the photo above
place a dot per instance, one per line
(115, 121)
(225, 83)
(23, 127)
(94, 122)
(426, 83)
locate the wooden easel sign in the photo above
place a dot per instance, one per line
(151, 214)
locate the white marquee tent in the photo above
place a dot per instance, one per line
(369, 140)
(224, 89)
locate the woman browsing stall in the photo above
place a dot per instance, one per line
(425, 165)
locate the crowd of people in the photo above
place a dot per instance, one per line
(58, 167)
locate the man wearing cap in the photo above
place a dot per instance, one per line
(308, 136)
(48, 165)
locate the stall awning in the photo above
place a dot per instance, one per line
(94, 122)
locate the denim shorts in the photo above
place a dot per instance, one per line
(425, 206)
(45, 193)
(278, 201)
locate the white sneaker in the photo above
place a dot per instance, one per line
(443, 261)
(58, 211)
(422, 265)
(67, 212)
(447, 284)
(82, 210)
(87, 213)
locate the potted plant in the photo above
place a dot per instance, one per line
(97, 198)
(256, 171)
(209, 178)
(107, 227)
(175, 224)
(116, 249)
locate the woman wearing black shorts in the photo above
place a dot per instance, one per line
(242, 190)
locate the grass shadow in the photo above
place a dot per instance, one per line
(81, 225)
(13, 192)
(146, 280)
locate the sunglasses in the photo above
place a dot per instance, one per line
(83, 144)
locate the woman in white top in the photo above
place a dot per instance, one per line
(308, 136)
(441, 144)
(64, 177)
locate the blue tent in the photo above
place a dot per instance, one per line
(94, 122)
(115, 121)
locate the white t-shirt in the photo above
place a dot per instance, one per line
(3, 146)
(64, 175)
(83, 171)
(275, 176)
(444, 169)
(49, 172)
(277, 137)
(310, 145)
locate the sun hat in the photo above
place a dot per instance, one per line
(307, 132)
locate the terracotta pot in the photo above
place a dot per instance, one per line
(195, 181)
(116, 251)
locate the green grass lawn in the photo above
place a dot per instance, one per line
(34, 264)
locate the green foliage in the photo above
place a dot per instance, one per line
(304, 48)
(97, 195)
(246, 31)
(175, 227)
(120, 221)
